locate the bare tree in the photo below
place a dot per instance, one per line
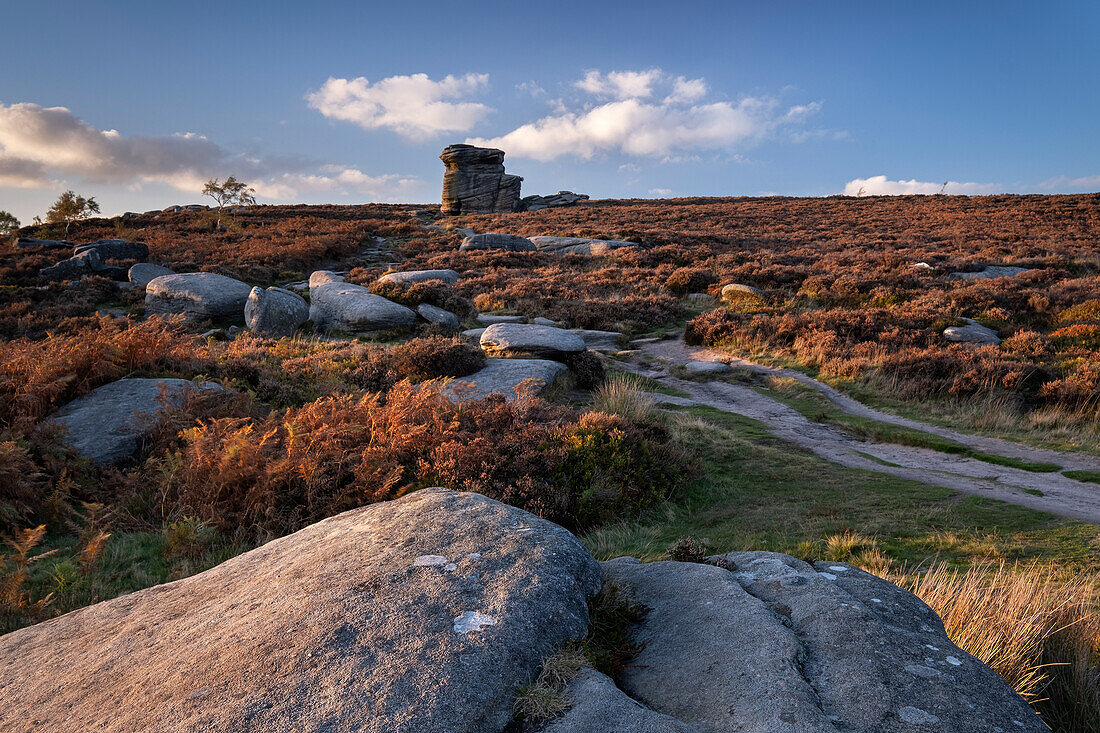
(230, 193)
(70, 207)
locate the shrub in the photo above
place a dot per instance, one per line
(431, 357)
(587, 369)
(1086, 312)
(690, 280)
(1079, 336)
(687, 549)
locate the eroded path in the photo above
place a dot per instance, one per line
(1051, 492)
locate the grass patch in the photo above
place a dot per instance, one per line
(1091, 476)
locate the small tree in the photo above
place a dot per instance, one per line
(69, 208)
(230, 193)
(8, 223)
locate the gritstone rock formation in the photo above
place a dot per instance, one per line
(475, 181)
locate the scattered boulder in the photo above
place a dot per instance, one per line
(540, 321)
(988, 273)
(504, 376)
(420, 276)
(474, 334)
(579, 245)
(108, 424)
(737, 291)
(420, 614)
(773, 644)
(355, 309)
(32, 243)
(921, 266)
(321, 277)
(598, 706)
(507, 242)
(561, 198)
(144, 273)
(196, 296)
(522, 339)
(706, 367)
(598, 340)
(489, 319)
(439, 316)
(972, 333)
(73, 268)
(475, 181)
(116, 249)
(275, 312)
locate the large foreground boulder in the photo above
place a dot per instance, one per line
(419, 276)
(506, 242)
(421, 614)
(527, 339)
(504, 376)
(108, 424)
(275, 312)
(771, 644)
(475, 181)
(196, 296)
(355, 309)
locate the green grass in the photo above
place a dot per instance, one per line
(818, 408)
(761, 493)
(1092, 476)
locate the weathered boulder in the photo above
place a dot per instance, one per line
(439, 316)
(421, 614)
(32, 243)
(522, 339)
(108, 424)
(561, 198)
(355, 309)
(706, 367)
(474, 334)
(988, 273)
(196, 296)
(144, 273)
(507, 242)
(73, 268)
(972, 333)
(320, 277)
(115, 249)
(489, 319)
(504, 376)
(598, 706)
(275, 312)
(738, 291)
(475, 181)
(775, 645)
(579, 245)
(420, 276)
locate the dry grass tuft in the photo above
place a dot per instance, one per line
(624, 395)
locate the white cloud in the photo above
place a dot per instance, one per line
(1064, 183)
(413, 106)
(620, 84)
(40, 146)
(662, 192)
(880, 186)
(635, 124)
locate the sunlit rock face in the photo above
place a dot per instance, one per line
(475, 181)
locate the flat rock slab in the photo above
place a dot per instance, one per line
(196, 296)
(420, 276)
(580, 245)
(504, 376)
(707, 367)
(489, 319)
(355, 309)
(439, 316)
(474, 333)
(420, 614)
(598, 706)
(972, 333)
(988, 273)
(108, 424)
(275, 312)
(598, 340)
(522, 339)
(144, 273)
(508, 242)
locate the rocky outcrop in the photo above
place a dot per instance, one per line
(196, 296)
(420, 276)
(355, 309)
(475, 181)
(439, 316)
(144, 273)
(522, 339)
(507, 242)
(504, 377)
(275, 312)
(988, 273)
(972, 333)
(420, 614)
(115, 249)
(561, 198)
(580, 245)
(108, 424)
(771, 644)
(32, 243)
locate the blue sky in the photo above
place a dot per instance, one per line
(352, 102)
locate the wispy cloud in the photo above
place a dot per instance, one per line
(881, 186)
(636, 125)
(42, 146)
(414, 106)
(1065, 183)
